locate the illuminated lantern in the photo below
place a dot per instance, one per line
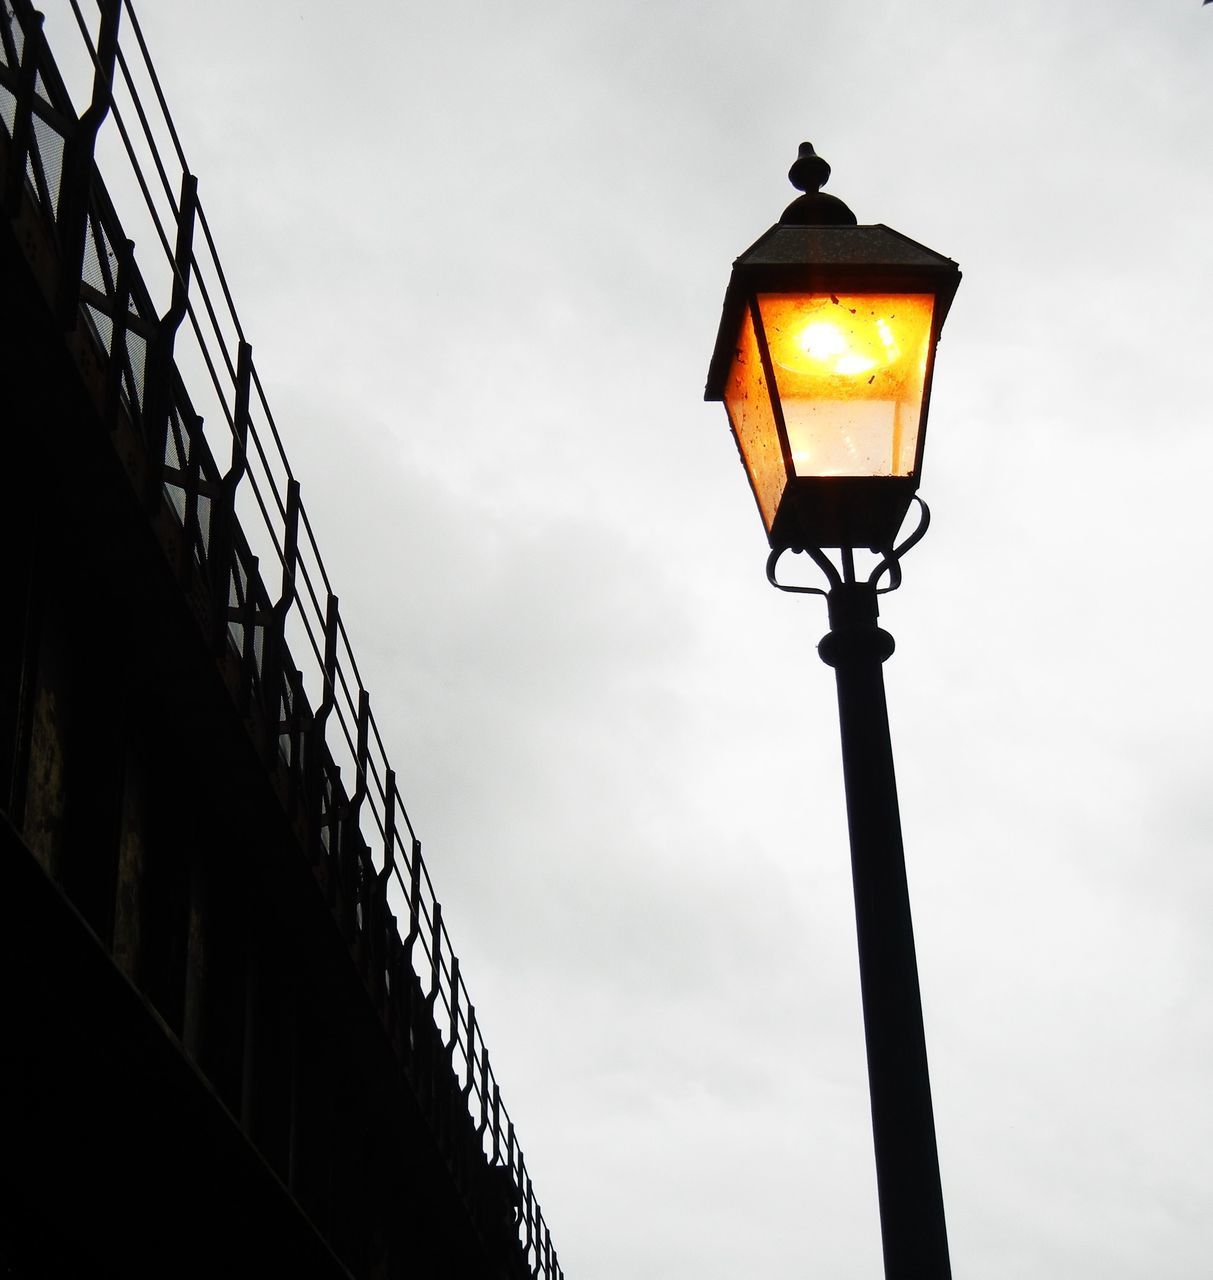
(823, 361)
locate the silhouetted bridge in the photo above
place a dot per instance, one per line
(234, 1037)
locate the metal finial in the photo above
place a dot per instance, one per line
(815, 208)
(809, 172)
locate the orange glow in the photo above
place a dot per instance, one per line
(850, 371)
(748, 401)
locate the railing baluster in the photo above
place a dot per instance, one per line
(524, 1185)
(435, 955)
(484, 1093)
(453, 1031)
(273, 676)
(76, 176)
(157, 397)
(389, 825)
(223, 537)
(380, 919)
(469, 1057)
(317, 748)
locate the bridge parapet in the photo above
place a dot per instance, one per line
(241, 547)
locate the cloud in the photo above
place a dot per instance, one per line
(480, 252)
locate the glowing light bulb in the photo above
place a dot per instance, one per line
(821, 341)
(827, 344)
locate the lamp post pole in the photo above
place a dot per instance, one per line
(824, 360)
(912, 1224)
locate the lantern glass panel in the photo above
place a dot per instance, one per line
(748, 401)
(850, 370)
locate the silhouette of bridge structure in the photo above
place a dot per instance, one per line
(235, 1037)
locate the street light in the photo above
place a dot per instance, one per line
(824, 361)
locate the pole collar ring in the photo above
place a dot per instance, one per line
(847, 645)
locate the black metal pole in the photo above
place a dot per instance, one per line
(912, 1224)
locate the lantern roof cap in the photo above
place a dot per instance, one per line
(871, 246)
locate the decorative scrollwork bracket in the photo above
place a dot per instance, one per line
(843, 574)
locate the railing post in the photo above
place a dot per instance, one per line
(361, 763)
(273, 673)
(406, 945)
(76, 177)
(157, 400)
(484, 1093)
(469, 1056)
(380, 921)
(389, 824)
(453, 1028)
(223, 536)
(435, 955)
(529, 1199)
(404, 978)
(357, 880)
(316, 744)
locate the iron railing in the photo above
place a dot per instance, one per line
(235, 521)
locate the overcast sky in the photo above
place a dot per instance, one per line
(480, 250)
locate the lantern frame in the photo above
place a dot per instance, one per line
(832, 256)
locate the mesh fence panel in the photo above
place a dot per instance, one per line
(136, 346)
(204, 523)
(49, 146)
(17, 33)
(92, 272)
(101, 327)
(175, 452)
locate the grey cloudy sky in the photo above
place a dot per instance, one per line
(480, 251)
